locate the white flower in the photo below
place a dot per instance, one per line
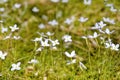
(96, 26)
(115, 47)
(113, 9)
(107, 45)
(0, 74)
(54, 43)
(14, 28)
(87, 2)
(16, 66)
(70, 55)
(3, 1)
(69, 20)
(3, 29)
(41, 26)
(84, 37)
(65, 1)
(67, 38)
(3, 55)
(33, 61)
(49, 33)
(83, 19)
(8, 36)
(2, 9)
(111, 21)
(109, 5)
(55, 1)
(95, 35)
(99, 25)
(16, 37)
(107, 31)
(39, 49)
(45, 43)
(37, 39)
(35, 9)
(1, 21)
(17, 5)
(71, 62)
(82, 65)
(53, 23)
(53, 47)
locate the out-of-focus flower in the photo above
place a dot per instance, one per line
(33, 61)
(17, 5)
(41, 26)
(35, 9)
(83, 19)
(53, 23)
(87, 2)
(55, 1)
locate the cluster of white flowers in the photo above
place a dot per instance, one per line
(99, 26)
(73, 61)
(13, 29)
(112, 46)
(46, 42)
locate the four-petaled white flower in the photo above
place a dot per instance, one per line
(67, 38)
(87, 2)
(99, 25)
(3, 29)
(115, 47)
(71, 62)
(3, 55)
(69, 20)
(14, 28)
(53, 23)
(54, 42)
(33, 61)
(16, 66)
(107, 31)
(111, 21)
(95, 35)
(70, 55)
(41, 26)
(82, 19)
(45, 43)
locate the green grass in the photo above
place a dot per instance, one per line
(101, 63)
